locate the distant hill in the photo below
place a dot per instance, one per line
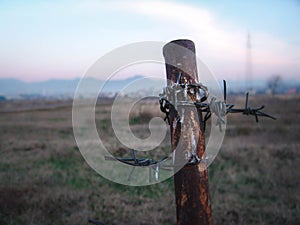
(50, 87)
(14, 87)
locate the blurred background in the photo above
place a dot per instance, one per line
(47, 46)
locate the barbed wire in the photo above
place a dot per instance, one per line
(219, 108)
(143, 162)
(181, 95)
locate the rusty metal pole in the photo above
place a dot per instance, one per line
(191, 181)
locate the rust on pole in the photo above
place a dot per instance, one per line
(187, 137)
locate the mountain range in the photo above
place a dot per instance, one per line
(12, 88)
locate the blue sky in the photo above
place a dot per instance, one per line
(42, 40)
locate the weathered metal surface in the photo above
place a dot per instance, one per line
(187, 137)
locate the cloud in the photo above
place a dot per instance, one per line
(221, 43)
(70, 35)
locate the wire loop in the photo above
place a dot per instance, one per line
(179, 95)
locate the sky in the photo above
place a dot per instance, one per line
(61, 39)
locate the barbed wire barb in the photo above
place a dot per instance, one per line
(219, 108)
(169, 101)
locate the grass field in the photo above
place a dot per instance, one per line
(255, 178)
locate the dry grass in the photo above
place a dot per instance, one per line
(44, 180)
